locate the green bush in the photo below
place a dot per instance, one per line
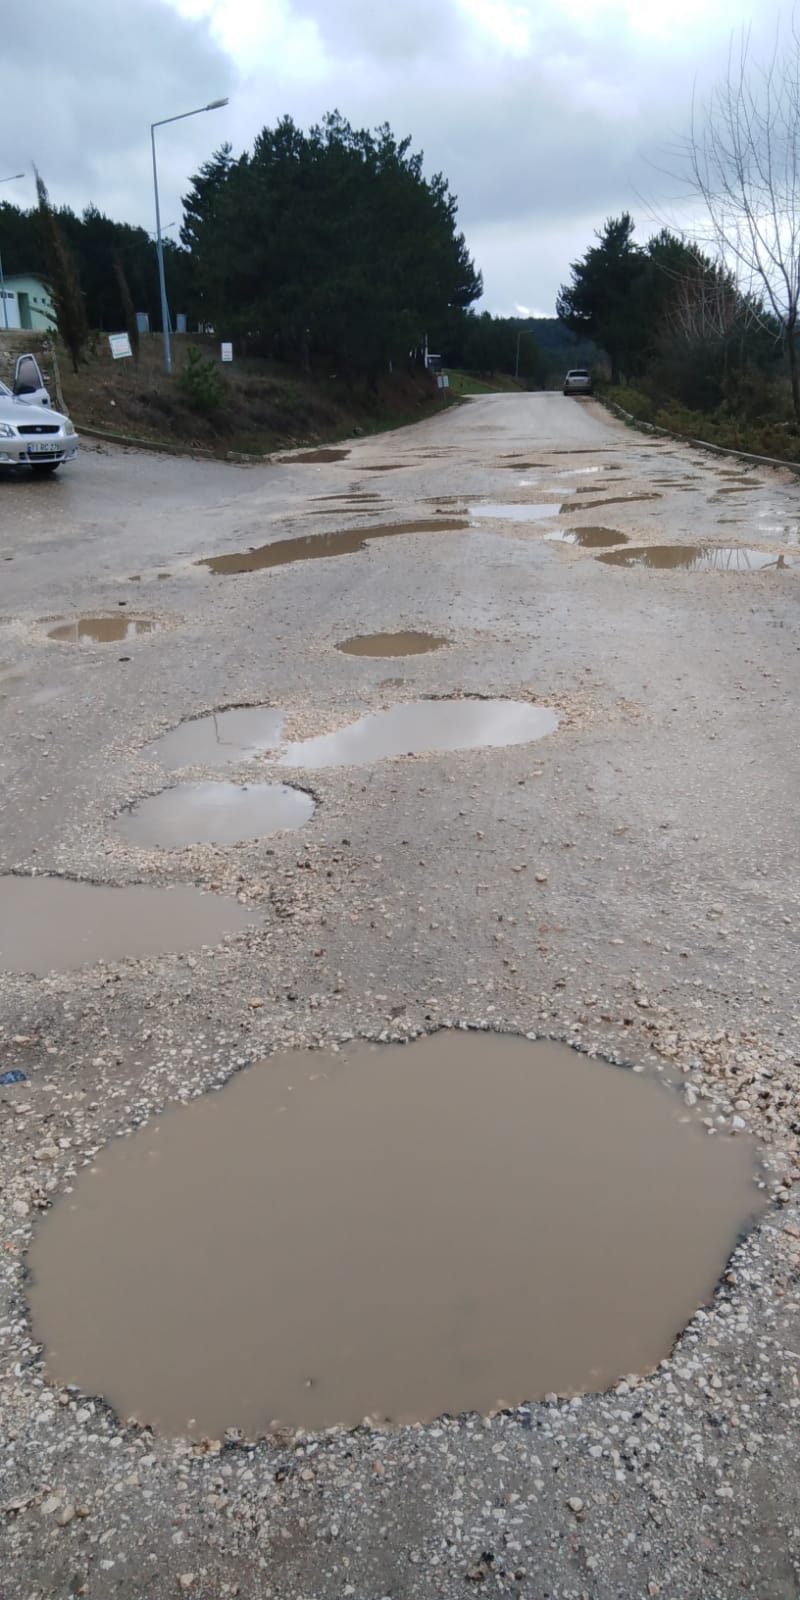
(201, 383)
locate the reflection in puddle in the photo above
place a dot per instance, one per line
(514, 513)
(423, 726)
(612, 500)
(385, 1232)
(391, 644)
(219, 738)
(56, 925)
(214, 813)
(590, 538)
(101, 630)
(320, 546)
(696, 558)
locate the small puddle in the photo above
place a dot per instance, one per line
(219, 738)
(101, 630)
(696, 558)
(612, 500)
(590, 538)
(214, 813)
(57, 925)
(422, 727)
(515, 513)
(391, 644)
(320, 546)
(735, 488)
(392, 1231)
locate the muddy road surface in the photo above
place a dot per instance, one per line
(570, 814)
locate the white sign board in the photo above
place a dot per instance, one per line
(227, 352)
(443, 380)
(120, 345)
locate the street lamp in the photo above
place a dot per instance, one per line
(12, 179)
(213, 105)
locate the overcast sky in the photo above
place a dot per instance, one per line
(546, 116)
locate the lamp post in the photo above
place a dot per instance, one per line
(213, 105)
(12, 179)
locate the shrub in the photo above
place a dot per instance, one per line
(201, 383)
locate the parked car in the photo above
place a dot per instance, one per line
(578, 381)
(34, 435)
(28, 381)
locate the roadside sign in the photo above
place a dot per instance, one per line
(443, 380)
(227, 352)
(120, 345)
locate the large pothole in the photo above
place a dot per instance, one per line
(422, 727)
(214, 813)
(101, 630)
(696, 558)
(321, 546)
(466, 1222)
(57, 924)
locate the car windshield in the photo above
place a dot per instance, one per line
(579, 372)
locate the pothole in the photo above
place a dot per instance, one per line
(101, 630)
(696, 558)
(592, 538)
(320, 546)
(313, 457)
(58, 925)
(219, 738)
(391, 644)
(396, 1231)
(514, 513)
(422, 727)
(214, 813)
(612, 500)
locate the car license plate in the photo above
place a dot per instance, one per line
(43, 447)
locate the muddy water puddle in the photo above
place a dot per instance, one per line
(214, 813)
(696, 558)
(101, 630)
(391, 644)
(611, 500)
(58, 925)
(423, 727)
(514, 513)
(219, 738)
(313, 457)
(591, 538)
(386, 1232)
(321, 546)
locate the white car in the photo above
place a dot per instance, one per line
(32, 434)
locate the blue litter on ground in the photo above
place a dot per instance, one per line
(15, 1076)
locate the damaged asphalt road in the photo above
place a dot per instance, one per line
(627, 883)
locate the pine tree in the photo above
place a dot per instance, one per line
(66, 290)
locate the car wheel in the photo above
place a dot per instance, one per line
(43, 468)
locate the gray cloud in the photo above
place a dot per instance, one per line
(80, 104)
(540, 144)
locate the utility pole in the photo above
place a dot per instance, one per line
(213, 105)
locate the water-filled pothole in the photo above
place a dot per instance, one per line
(696, 558)
(101, 630)
(219, 738)
(387, 1232)
(319, 546)
(421, 727)
(391, 644)
(591, 538)
(611, 500)
(313, 457)
(57, 925)
(514, 513)
(214, 813)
